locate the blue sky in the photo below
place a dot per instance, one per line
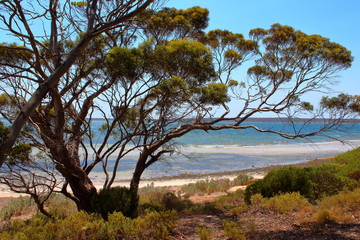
(338, 20)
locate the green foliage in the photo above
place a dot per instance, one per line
(204, 233)
(20, 152)
(349, 161)
(214, 94)
(125, 63)
(206, 186)
(14, 54)
(116, 199)
(327, 180)
(80, 225)
(190, 60)
(173, 202)
(231, 200)
(17, 206)
(154, 225)
(342, 102)
(283, 203)
(278, 181)
(233, 230)
(173, 90)
(287, 49)
(171, 22)
(242, 179)
(203, 208)
(311, 182)
(59, 206)
(307, 106)
(341, 208)
(160, 199)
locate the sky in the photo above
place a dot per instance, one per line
(338, 20)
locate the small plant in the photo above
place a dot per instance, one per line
(206, 186)
(17, 206)
(204, 233)
(204, 208)
(230, 200)
(242, 179)
(288, 202)
(342, 207)
(233, 230)
(173, 202)
(60, 206)
(81, 225)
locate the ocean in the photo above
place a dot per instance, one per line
(203, 152)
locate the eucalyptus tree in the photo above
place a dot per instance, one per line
(155, 78)
(46, 64)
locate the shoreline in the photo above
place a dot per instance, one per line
(214, 160)
(180, 180)
(309, 153)
(256, 173)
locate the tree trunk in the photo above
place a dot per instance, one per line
(139, 169)
(81, 185)
(135, 181)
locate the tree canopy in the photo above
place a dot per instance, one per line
(153, 75)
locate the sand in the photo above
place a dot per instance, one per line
(333, 148)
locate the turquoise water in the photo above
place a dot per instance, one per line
(251, 137)
(210, 150)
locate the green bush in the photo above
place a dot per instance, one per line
(173, 202)
(242, 179)
(116, 199)
(233, 230)
(326, 180)
(204, 233)
(17, 207)
(288, 202)
(206, 186)
(278, 181)
(59, 206)
(350, 161)
(81, 225)
(230, 200)
(311, 182)
(161, 201)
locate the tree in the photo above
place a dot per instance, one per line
(46, 64)
(161, 76)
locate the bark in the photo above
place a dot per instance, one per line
(35, 100)
(81, 185)
(140, 167)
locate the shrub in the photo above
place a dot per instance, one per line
(233, 230)
(155, 225)
(230, 200)
(116, 199)
(287, 202)
(206, 186)
(204, 208)
(278, 181)
(342, 207)
(204, 233)
(325, 180)
(81, 225)
(311, 182)
(242, 179)
(17, 206)
(350, 161)
(173, 202)
(59, 206)
(159, 201)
